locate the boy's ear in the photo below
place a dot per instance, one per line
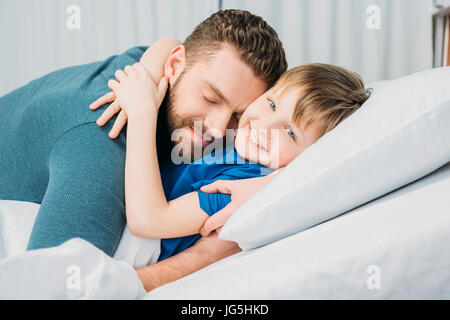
(175, 63)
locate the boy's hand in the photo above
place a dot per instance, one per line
(109, 112)
(115, 106)
(240, 190)
(136, 92)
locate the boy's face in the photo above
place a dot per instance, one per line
(268, 135)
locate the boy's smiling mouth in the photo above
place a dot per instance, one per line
(252, 136)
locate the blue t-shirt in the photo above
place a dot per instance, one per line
(185, 178)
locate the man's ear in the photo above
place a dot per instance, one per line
(175, 63)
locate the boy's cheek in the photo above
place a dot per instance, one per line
(281, 157)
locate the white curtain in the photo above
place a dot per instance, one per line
(335, 31)
(35, 40)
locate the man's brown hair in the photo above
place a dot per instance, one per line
(256, 43)
(327, 93)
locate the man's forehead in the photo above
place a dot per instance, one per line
(235, 80)
(235, 97)
(236, 92)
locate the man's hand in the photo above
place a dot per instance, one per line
(204, 252)
(240, 190)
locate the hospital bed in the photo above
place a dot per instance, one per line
(386, 242)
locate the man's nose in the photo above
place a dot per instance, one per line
(217, 123)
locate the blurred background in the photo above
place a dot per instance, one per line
(36, 40)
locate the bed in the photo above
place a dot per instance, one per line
(394, 247)
(373, 225)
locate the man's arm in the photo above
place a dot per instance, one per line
(85, 192)
(203, 253)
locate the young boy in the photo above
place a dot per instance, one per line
(305, 103)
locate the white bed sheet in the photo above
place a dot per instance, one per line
(395, 247)
(50, 273)
(403, 236)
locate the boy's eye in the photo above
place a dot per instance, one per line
(290, 133)
(271, 104)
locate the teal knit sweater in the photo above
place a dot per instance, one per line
(52, 152)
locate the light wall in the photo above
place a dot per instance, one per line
(35, 39)
(336, 32)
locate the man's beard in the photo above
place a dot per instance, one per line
(175, 121)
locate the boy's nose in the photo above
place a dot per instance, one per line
(262, 133)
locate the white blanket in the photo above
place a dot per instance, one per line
(395, 247)
(73, 270)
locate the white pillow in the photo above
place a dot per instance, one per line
(399, 135)
(340, 259)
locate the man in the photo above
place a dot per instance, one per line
(56, 155)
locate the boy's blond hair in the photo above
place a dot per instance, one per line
(327, 93)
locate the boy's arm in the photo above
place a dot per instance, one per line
(153, 61)
(149, 214)
(156, 55)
